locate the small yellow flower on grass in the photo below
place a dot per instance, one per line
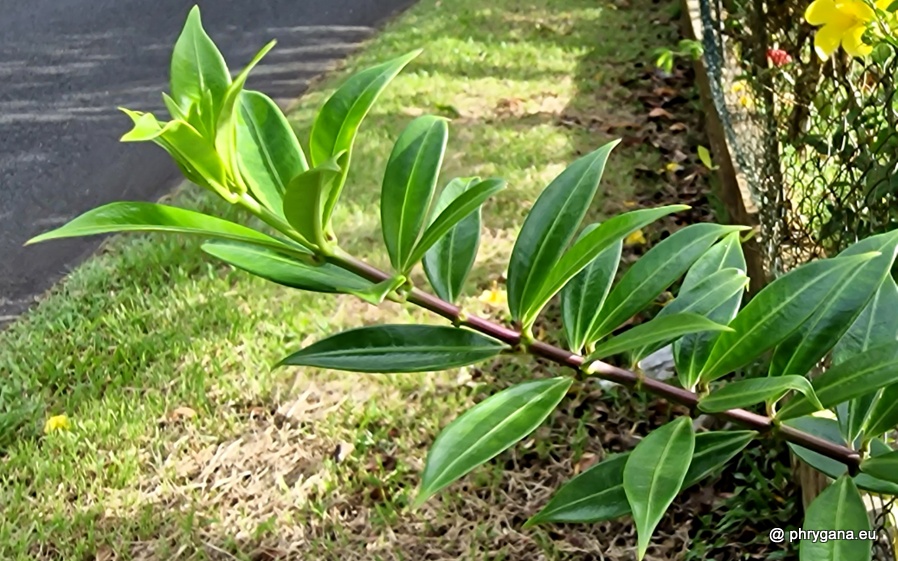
(636, 238)
(494, 297)
(57, 422)
(842, 22)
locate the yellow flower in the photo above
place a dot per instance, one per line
(843, 23)
(57, 422)
(494, 296)
(636, 238)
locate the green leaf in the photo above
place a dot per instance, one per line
(448, 262)
(756, 390)
(487, 429)
(828, 429)
(304, 198)
(281, 269)
(550, 226)
(882, 467)
(692, 351)
(376, 294)
(127, 216)
(587, 248)
(776, 312)
(815, 337)
(659, 330)
(338, 120)
(598, 494)
(838, 508)
(883, 415)
(656, 271)
(864, 373)
(654, 474)
(408, 186)
(582, 298)
(702, 299)
(268, 154)
(705, 156)
(197, 66)
(460, 208)
(397, 348)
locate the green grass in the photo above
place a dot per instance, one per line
(151, 325)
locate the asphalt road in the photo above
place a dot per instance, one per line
(65, 65)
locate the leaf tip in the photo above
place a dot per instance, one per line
(531, 522)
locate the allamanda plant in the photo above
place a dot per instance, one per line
(238, 144)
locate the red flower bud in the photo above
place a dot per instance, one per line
(778, 57)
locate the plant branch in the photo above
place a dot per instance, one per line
(603, 370)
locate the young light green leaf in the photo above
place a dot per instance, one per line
(408, 186)
(703, 299)
(815, 337)
(840, 508)
(660, 330)
(303, 204)
(752, 391)
(776, 312)
(338, 120)
(654, 474)
(448, 262)
(598, 494)
(587, 248)
(460, 208)
(883, 467)
(864, 373)
(487, 429)
(377, 293)
(281, 269)
(149, 217)
(268, 154)
(549, 227)
(883, 415)
(828, 429)
(692, 351)
(655, 271)
(197, 66)
(388, 349)
(584, 295)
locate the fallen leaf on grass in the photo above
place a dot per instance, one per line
(660, 113)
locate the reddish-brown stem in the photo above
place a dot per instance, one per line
(671, 393)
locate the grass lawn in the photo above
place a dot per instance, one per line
(184, 444)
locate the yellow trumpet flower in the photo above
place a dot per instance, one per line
(842, 22)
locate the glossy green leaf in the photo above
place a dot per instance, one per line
(150, 217)
(304, 199)
(408, 186)
(376, 294)
(883, 467)
(281, 269)
(692, 351)
(487, 429)
(838, 508)
(397, 348)
(828, 429)
(815, 337)
(867, 372)
(197, 65)
(655, 272)
(752, 391)
(338, 120)
(587, 248)
(448, 262)
(659, 330)
(776, 312)
(268, 154)
(460, 208)
(583, 297)
(883, 415)
(550, 226)
(702, 299)
(598, 494)
(654, 474)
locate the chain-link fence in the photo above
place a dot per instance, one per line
(814, 143)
